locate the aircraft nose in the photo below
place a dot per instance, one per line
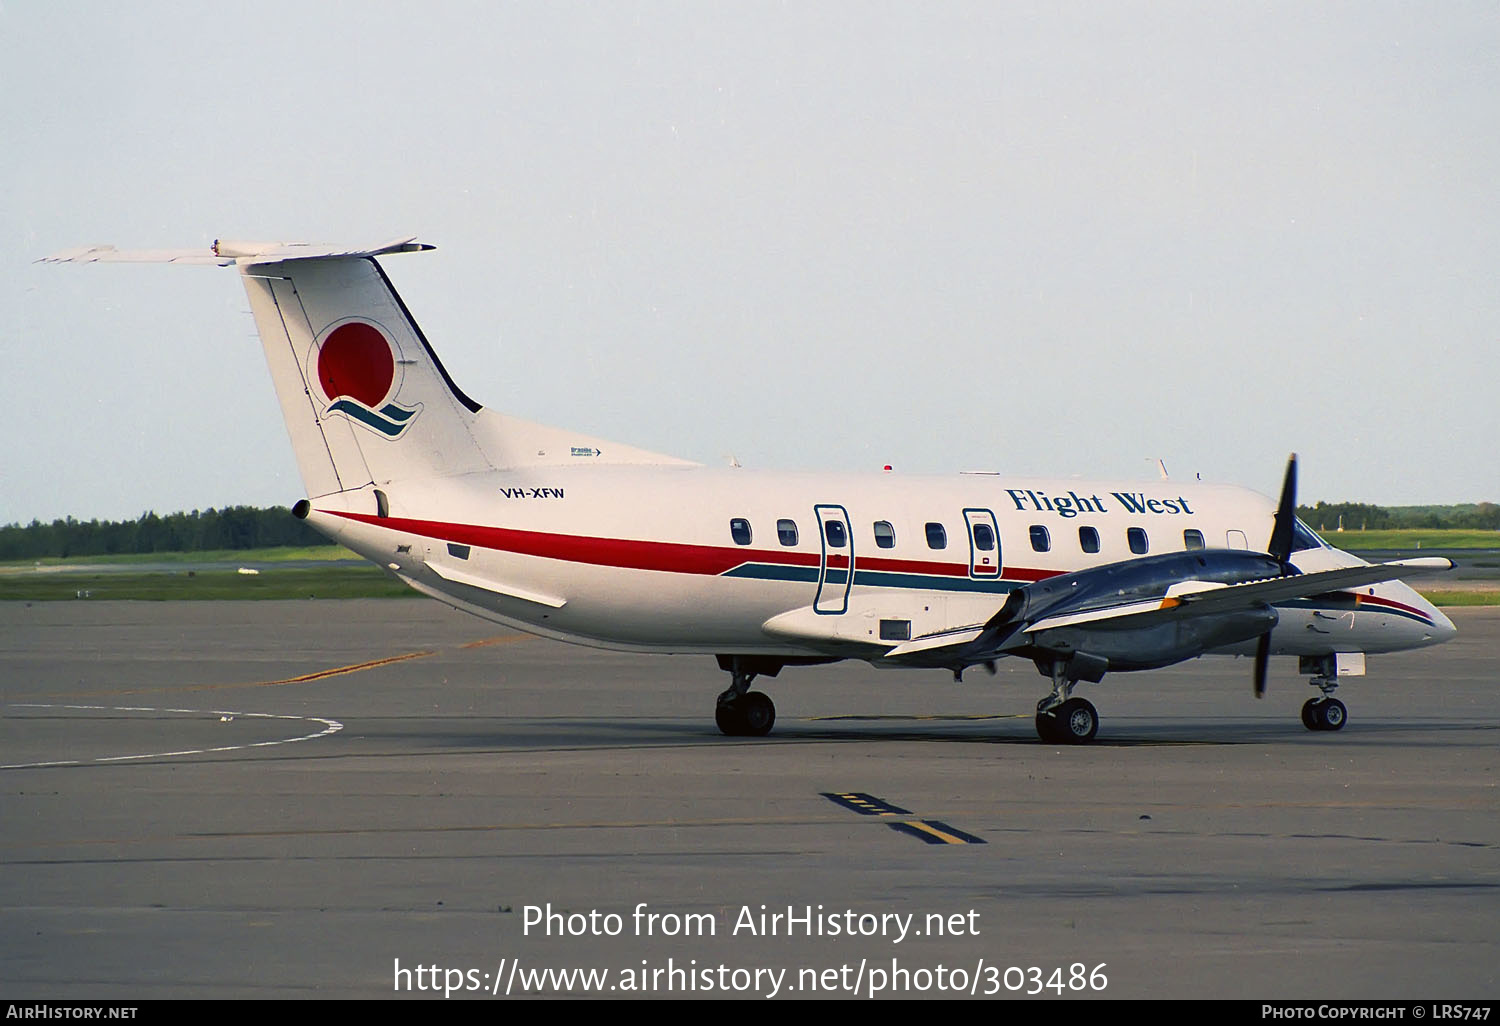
(1442, 627)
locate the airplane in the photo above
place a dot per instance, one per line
(590, 541)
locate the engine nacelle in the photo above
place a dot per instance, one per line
(1160, 644)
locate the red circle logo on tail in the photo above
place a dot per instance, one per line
(356, 361)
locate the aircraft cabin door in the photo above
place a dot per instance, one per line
(984, 544)
(836, 567)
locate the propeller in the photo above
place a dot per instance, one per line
(1279, 546)
(1262, 654)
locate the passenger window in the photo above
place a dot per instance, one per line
(1088, 539)
(984, 538)
(739, 530)
(786, 532)
(1193, 538)
(1138, 542)
(885, 534)
(937, 536)
(1040, 540)
(834, 531)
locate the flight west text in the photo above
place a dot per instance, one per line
(1072, 504)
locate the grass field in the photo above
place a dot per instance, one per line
(287, 554)
(332, 582)
(1473, 597)
(1412, 538)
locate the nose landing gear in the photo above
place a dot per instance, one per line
(1325, 712)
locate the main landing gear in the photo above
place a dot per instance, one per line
(1325, 712)
(1062, 719)
(741, 712)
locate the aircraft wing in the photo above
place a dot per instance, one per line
(1201, 598)
(1183, 599)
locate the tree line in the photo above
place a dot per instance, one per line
(1360, 516)
(234, 527)
(249, 527)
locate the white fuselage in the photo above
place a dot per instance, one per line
(692, 559)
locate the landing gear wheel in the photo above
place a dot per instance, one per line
(1310, 713)
(1332, 714)
(1075, 722)
(753, 714)
(727, 716)
(1046, 728)
(758, 713)
(1324, 714)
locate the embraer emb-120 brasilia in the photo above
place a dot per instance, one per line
(589, 541)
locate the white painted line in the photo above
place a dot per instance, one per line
(329, 727)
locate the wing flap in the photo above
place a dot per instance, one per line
(943, 639)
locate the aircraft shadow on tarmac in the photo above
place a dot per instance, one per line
(653, 733)
(644, 732)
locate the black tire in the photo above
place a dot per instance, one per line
(730, 719)
(1332, 715)
(1046, 728)
(1310, 717)
(1077, 721)
(757, 713)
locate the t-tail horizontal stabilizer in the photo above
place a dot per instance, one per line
(225, 253)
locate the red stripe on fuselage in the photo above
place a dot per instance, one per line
(1377, 600)
(669, 557)
(672, 557)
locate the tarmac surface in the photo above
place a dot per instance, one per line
(274, 799)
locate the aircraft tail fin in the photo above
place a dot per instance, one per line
(364, 396)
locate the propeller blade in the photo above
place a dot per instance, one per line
(1262, 656)
(1280, 545)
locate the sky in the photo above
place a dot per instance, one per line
(1038, 238)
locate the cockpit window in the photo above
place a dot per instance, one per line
(1304, 538)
